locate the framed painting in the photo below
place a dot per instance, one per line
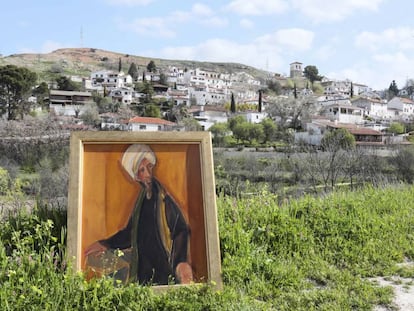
(142, 207)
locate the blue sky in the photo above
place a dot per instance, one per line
(368, 41)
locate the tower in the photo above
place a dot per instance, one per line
(296, 70)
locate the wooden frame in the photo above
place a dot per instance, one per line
(102, 193)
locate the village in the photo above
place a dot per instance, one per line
(205, 96)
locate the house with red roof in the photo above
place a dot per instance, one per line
(316, 129)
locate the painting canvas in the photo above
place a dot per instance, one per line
(142, 207)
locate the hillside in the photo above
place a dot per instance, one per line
(83, 61)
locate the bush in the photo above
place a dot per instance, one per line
(4, 181)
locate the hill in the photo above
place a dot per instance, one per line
(83, 61)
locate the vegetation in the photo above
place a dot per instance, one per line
(281, 248)
(312, 74)
(66, 84)
(133, 71)
(15, 88)
(307, 254)
(393, 90)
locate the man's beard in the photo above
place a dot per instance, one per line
(148, 188)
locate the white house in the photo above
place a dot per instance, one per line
(179, 97)
(343, 113)
(207, 96)
(68, 103)
(316, 130)
(373, 107)
(110, 80)
(207, 116)
(122, 95)
(401, 108)
(255, 117)
(150, 124)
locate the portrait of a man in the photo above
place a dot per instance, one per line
(154, 244)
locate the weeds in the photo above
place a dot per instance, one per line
(308, 254)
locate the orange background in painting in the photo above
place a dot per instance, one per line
(109, 194)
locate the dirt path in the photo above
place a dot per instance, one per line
(404, 293)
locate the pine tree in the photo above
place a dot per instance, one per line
(119, 65)
(352, 90)
(260, 101)
(133, 71)
(393, 90)
(295, 91)
(232, 104)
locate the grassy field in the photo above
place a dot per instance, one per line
(307, 254)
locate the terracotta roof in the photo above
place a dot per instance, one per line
(148, 120)
(352, 128)
(406, 100)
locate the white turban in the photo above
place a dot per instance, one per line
(134, 155)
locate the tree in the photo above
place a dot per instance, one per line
(147, 89)
(120, 65)
(219, 131)
(191, 124)
(90, 116)
(269, 128)
(260, 101)
(336, 143)
(352, 90)
(393, 90)
(133, 71)
(234, 121)
(403, 160)
(232, 104)
(152, 111)
(290, 111)
(16, 84)
(41, 92)
(163, 79)
(396, 128)
(66, 84)
(311, 72)
(105, 104)
(274, 86)
(295, 91)
(151, 67)
(338, 139)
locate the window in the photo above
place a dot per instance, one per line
(142, 127)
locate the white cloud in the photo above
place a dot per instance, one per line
(379, 71)
(401, 38)
(257, 7)
(324, 52)
(47, 47)
(154, 26)
(201, 10)
(293, 39)
(246, 23)
(164, 26)
(50, 46)
(214, 21)
(129, 2)
(264, 52)
(333, 10)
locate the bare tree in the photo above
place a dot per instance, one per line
(291, 111)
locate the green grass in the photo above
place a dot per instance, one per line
(307, 254)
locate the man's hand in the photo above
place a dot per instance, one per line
(95, 249)
(184, 273)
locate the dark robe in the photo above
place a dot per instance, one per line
(157, 234)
